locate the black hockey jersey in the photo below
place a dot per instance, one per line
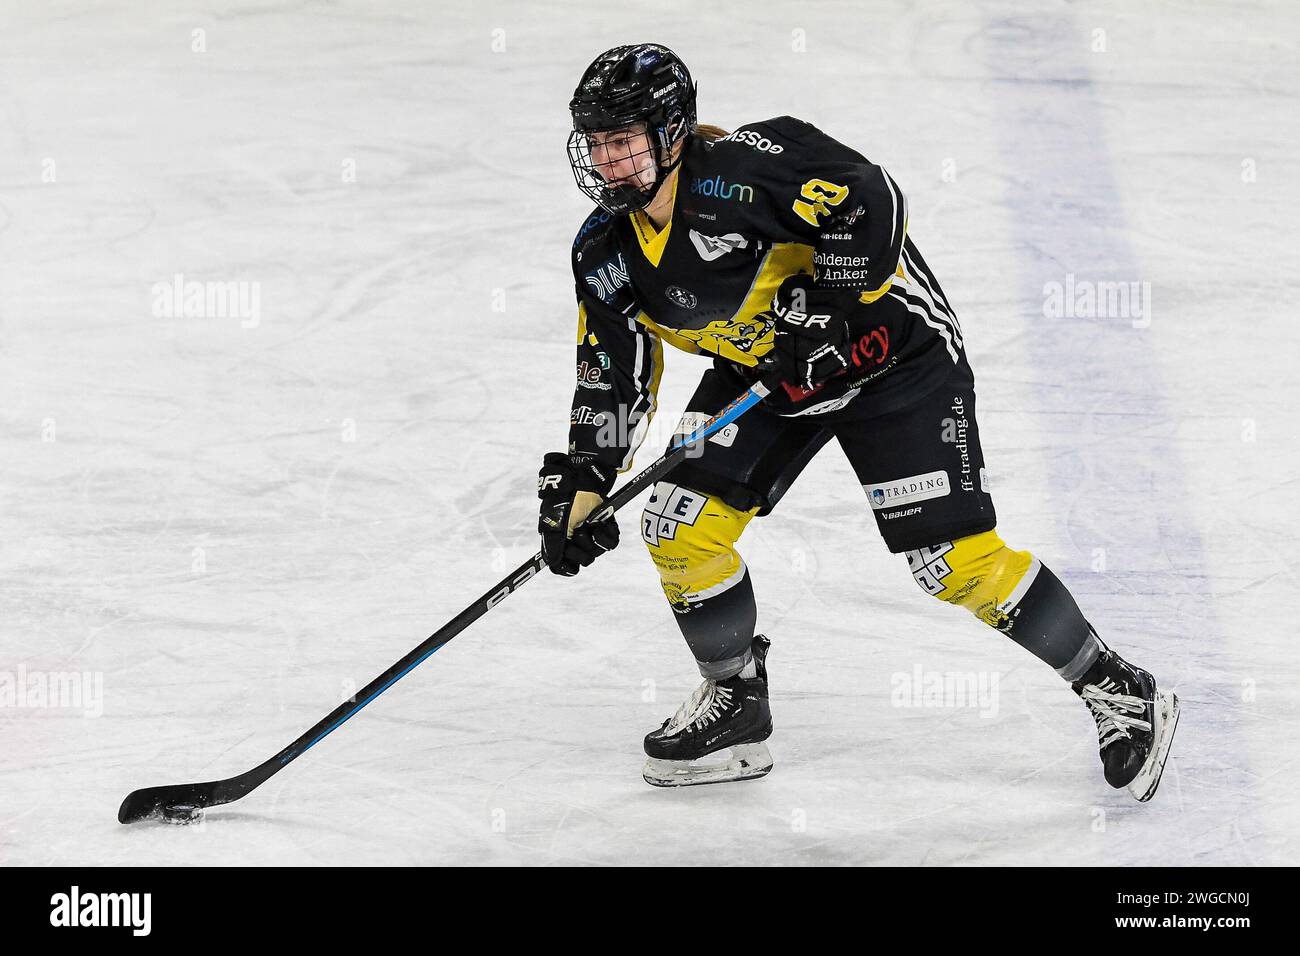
(750, 209)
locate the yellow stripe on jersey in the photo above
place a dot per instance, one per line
(650, 388)
(668, 335)
(657, 357)
(743, 338)
(643, 426)
(783, 260)
(582, 327)
(871, 295)
(866, 298)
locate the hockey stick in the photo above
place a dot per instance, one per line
(184, 802)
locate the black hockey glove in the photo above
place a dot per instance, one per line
(811, 332)
(571, 486)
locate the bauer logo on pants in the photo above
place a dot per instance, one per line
(893, 494)
(668, 507)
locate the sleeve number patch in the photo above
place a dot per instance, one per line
(818, 196)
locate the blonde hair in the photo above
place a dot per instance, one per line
(709, 132)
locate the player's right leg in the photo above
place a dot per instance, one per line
(691, 524)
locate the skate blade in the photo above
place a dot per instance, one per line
(1145, 783)
(745, 762)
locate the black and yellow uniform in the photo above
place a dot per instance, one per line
(770, 200)
(767, 201)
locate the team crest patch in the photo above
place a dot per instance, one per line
(682, 298)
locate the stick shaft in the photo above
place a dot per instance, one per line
(516, 579)
(140, 804)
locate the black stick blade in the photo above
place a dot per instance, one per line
(149, 803)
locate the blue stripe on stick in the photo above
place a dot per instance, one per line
(725, 417)
(344, 719)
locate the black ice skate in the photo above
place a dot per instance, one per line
(1135, 722)
(717, 734)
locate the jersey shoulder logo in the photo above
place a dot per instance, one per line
(817, 196)
(715, 247)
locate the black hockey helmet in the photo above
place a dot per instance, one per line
(631, 90)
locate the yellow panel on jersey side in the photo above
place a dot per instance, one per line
(743, 338)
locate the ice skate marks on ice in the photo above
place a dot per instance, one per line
(741, 762)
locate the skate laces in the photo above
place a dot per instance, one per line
(716, 705)
(1112, 711)
(703, 707)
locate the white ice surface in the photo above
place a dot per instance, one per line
(1171, 448)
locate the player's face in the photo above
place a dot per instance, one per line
(623, 156)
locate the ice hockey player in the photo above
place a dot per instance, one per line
(775, 248)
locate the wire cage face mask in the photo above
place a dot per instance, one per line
(617, 168)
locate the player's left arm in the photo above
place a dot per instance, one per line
(860, 248)
(821, 193)
(860, 218)
(833, 198)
